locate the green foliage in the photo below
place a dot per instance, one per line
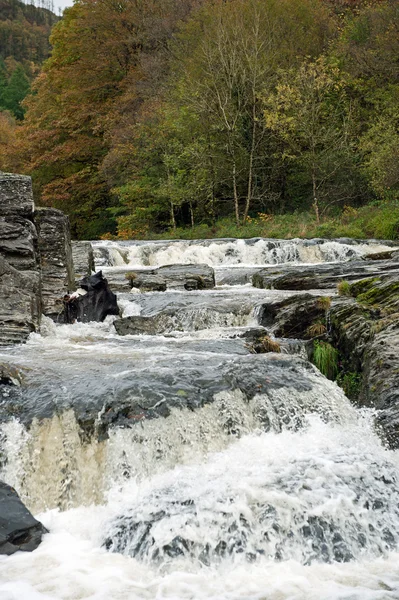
(344, 288)
(195, 118)
(350, 382)
(14, 92)
(325, 358)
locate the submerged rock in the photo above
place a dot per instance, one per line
(19, 530)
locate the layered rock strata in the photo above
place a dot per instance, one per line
(20, 284)
(55, 259)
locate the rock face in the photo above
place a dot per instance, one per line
(18, 237)
(20, 286)
(83, 259)
(20, 308)
(57, 273)
(97, 303)
(19, 530)
(36, 268)
(365, 329)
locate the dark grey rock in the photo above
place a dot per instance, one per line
(56, 265)
(95, 305)
(19, 530)
(293, 317)
(20, 308)
(83, 259)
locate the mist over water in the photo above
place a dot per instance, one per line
(272, 486)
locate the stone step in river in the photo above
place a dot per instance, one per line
(173, 462)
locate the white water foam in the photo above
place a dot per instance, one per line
(228, 252)
(70, 564)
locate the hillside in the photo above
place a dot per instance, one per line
(24, 46)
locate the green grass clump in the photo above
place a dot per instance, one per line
(323, 302)
(344, 288)
(325, 358)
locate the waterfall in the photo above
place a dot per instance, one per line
(230, 252)
(176, 464)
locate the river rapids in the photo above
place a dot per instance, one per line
(237, 476)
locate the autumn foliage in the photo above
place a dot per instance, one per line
(150, 115)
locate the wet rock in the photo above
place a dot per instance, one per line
(177, 277)
(20, 307)
(296, 317)
(385, 255)
(320, 276)
(57, 273)
(18, 237)
(95, 304)
(83, 259)
(148, 283)
(19, 530)
(10, 375)
(365, 329)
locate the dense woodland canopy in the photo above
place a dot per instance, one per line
(154, 115)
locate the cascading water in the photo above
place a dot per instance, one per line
(230, 252)
(181, 466)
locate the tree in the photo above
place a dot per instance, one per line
(312, 115)
(227, 55)
(16, 90)
(95, 73)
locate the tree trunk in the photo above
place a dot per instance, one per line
(191, 215)
(236, 207)
(172, 216)
(315, 201)
(251, 164)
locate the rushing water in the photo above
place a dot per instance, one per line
(226, 476)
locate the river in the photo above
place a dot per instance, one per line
(180, 465)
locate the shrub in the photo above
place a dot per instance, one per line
(325, 358)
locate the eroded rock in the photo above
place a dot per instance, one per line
(57, 273)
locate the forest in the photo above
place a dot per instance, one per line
(203, 118)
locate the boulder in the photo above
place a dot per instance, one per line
(177, 277)
(83, 259)
(57, 273)
(19, 530)
(94, 303)
(20, 307)
(296, 317)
